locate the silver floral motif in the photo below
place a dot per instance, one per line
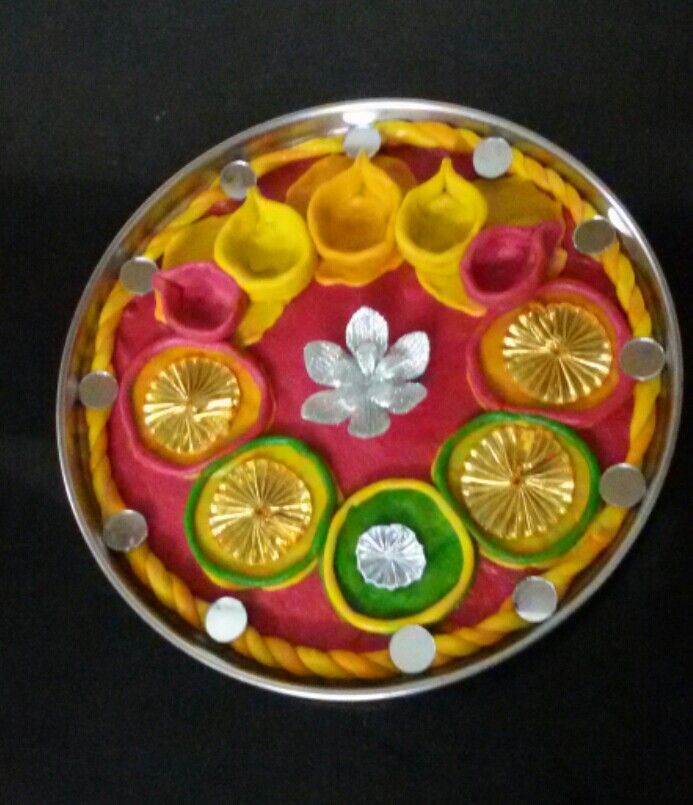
(390, 556)
(369, 382)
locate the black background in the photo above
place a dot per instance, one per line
(101, 102)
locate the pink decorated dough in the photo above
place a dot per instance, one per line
(505, 265)
(199, 301)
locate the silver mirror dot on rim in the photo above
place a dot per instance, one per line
(492, 157)
(237, 178)
(136, 275)
(98, 390)
(412, 649)
(594, 235)
(642, 358)
(125, 530)
(535, 599)
(361, 138)
(226, 619)
(622, 485)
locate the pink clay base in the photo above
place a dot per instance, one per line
(585, 418)
(505, 265)
(199, 301)
(302, 613)
(124, 415)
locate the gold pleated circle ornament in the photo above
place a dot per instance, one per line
(258, 517)
(189, 404)
(517, 482)
(259, 511)
(557, 353)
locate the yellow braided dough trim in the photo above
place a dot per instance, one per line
(304, 661)
(319, 147)
(193, 212)
(428, 134)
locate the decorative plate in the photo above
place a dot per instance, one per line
(369, 397)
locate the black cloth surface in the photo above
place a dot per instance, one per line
(99, 104)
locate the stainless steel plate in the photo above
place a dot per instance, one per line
(279, 133)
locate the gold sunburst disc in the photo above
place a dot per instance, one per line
(259, 511)
(517, 482)
(558, 352)
(189, 405)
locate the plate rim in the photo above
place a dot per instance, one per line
(233, 665)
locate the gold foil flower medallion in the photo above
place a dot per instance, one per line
(189, 405)
(518, 481)
(259, 511)
(558, 352)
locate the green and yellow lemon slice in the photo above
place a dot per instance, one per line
(258, 517)
(448, 551)
(525, 486)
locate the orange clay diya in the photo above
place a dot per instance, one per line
(351, 219)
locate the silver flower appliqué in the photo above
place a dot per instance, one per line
(371, 382)
(390, 556)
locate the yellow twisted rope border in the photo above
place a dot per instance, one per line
(304, 661)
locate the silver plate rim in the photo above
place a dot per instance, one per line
(310, 121)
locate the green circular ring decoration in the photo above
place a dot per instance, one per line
(489, 546)
(448, 549)
(433, 531)
(320, 530)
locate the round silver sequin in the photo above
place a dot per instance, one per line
(412, 649)
(535, 599)
(237, 178)
(492, 157)
(361, 138)
(622, 485)
(136, 274)
(226, 619)
(98, 390)
(390, 556)
(125, 530)
(642, 358)
(594, 235)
